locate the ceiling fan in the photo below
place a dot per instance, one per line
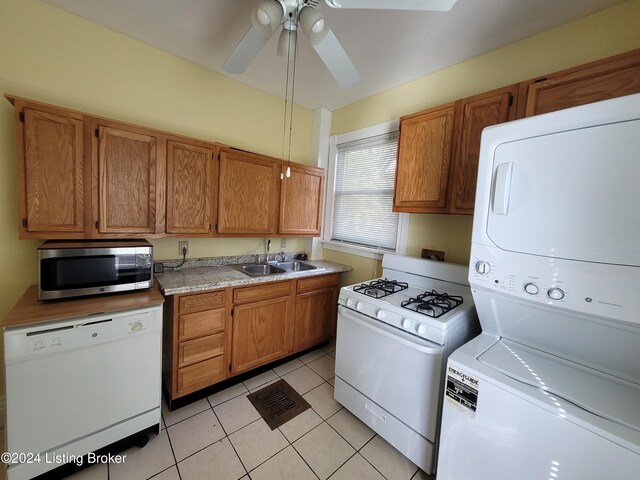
(269, 15)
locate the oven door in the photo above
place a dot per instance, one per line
(396, 370)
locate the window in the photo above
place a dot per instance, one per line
(360, 197)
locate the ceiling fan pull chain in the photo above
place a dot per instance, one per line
(284, 119)
(293, 86)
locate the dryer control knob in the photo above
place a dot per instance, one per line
(555, 293)
(483, 268)
(359, 306)
(531, 288)
(421, 328)
(406, 323)
(380, 314)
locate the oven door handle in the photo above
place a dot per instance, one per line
(411, 341)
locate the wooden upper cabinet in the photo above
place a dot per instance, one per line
(52, 168)
(189, 188)
(601, 80)
(473, 114)
(301, 201)
(130, 185)
(424, 155)
(248, 194)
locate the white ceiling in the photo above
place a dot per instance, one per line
(388, 47)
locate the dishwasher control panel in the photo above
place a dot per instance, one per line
(66, 335)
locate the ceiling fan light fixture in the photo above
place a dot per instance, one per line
(267, 17)
(314, 24)
(318, 26)
(287, 44)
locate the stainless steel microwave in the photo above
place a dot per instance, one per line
(71, 269)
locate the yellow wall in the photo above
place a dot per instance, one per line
(52, 56)
(49, 55)
(602, 34)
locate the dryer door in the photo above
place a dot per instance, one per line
(571, 195)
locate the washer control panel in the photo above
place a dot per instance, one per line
(598, 289)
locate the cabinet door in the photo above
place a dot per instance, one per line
(472, 116)
(424, 154)
(301, 201)
(248, 194)
(262, 332)
(127, 164)
(189, 184)
(315, 318)
(53, 196)
(609, 78)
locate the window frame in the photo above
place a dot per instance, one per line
(402, 238)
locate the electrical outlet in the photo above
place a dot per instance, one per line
(283, 243)
(182, 246)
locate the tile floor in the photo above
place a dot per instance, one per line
(223, 437)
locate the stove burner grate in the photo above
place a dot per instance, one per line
(432, 304)
(381, 288)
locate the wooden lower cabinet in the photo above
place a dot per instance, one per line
(195, 341)
(200, 375)
(213, 335)
(316, 311)
(262, 332)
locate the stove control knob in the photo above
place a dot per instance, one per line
(380, 314)
(531, 288)
(359, 306)
(349, 302)
(555, 293)
(483, 268)
(421, 329)
(406, 323)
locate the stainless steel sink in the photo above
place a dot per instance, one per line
(296, 266)
(259, 270)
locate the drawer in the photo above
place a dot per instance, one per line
(194, 351)
(198, 324)
(262, 292)
(202, 301)
(317, 283)
(201, 375)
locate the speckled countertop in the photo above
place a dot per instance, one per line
(189, 279)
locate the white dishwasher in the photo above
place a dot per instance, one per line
(75, 386)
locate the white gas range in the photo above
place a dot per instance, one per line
(393, 338)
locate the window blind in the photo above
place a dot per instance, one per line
(363, 192)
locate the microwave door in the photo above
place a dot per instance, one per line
(570, 195)
(61, 276)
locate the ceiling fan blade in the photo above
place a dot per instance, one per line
(246, 50)
(431, 5)
(337, 60)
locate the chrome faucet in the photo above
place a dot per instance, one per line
(281, 254)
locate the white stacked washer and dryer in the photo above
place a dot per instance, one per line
(551, 388)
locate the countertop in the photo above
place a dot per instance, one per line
(29, 310)
(195, 279)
